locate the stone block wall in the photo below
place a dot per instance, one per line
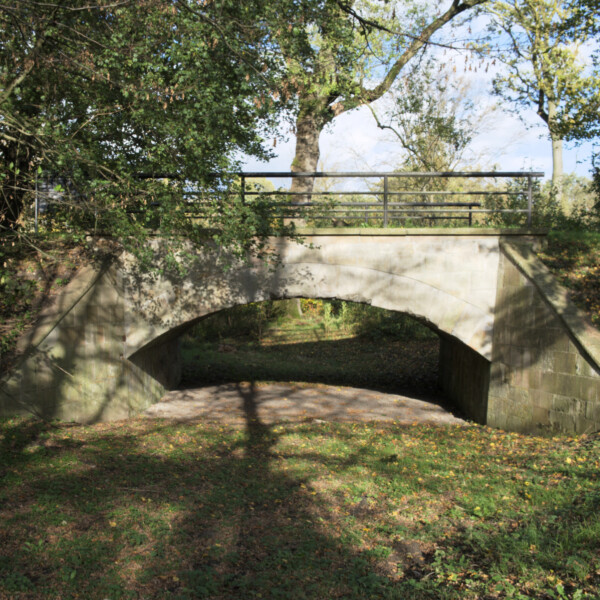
(74, 366)
(464, 376)
(543, 376)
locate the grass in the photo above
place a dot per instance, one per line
(574, 258)
(153, 509)
(382, 350)
(396, 366)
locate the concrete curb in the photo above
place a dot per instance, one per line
(585, 334)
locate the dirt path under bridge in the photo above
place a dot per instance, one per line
(272, 403)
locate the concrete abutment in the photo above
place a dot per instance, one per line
(464, 377)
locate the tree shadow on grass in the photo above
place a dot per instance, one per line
(152, 509)
(117, 520)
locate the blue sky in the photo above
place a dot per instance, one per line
(353, 142)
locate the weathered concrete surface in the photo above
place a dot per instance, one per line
(109, 349)
(74, 367)
(545, 370)
(464, 375)
(448, 281)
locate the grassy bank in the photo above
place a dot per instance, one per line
(574, 258)
(151, 509)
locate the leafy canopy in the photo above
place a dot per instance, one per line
(546, 46)
(106, 98)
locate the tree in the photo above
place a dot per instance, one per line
(431, 117)
(351, 54)
(108, 97)
(545, 68)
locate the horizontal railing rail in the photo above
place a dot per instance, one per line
(384, 208)
(390, 201)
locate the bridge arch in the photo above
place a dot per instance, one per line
(515, 353)
(431, 278)
(449, 288)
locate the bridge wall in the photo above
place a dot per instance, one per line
(510, 358)
(74, 368)
(545, 362)
(464, 376)
(448, 281)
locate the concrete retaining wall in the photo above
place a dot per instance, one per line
(464, 376)
(74, 368)
(544, 374)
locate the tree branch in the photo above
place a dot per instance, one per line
(367, 96)
(366, 23)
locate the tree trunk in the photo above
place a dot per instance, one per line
(306, 159)
(557, 163)
(557, 153)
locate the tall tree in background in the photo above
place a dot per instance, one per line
(352, 52)
(432, 117)
(543, 46)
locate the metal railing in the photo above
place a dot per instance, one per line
(423, 198)
(384, 208)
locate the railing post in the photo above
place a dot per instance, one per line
(243, 186)
(470, 215)
(385, 201)
(529, 199)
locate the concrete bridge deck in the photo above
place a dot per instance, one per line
(514, 353)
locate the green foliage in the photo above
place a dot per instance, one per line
(343, 46)
(248, 320)
(100, 100)
(546, 42)
(253, 320)
(546, 65)
(432, 120)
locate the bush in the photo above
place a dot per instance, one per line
(251, 320)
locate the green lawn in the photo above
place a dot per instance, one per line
(151, 509)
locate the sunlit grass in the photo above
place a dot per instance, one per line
(152, 509)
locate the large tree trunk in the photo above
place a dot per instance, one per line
(557, 163)
(306, 159)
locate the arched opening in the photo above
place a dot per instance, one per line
(335, 360)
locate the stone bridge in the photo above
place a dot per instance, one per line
(514, 353)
